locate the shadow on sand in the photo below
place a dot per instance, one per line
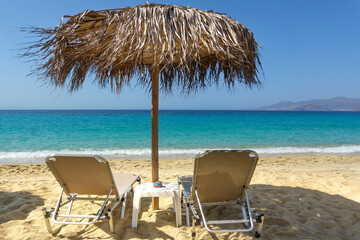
(17, 205)
(298, 213)
(290, 213)
(123, 229)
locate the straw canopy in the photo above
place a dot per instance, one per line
(192, 48)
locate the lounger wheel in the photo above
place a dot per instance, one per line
(257, 235)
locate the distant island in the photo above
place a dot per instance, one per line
(332, 104)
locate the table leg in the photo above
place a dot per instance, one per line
(136, 210)
(177, 203)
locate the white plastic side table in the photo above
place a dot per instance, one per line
(148, 190)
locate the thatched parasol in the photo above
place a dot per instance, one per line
(186, 47)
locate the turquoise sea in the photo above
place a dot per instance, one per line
(31, 135)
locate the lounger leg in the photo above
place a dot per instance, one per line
(259, 229)
(193, 233)
(187, 212)
(123, 206)
(69, 210)
(187, 215)
(123, 209)
(244, 216)
(47, 223)
(109, 215)
(111, 223)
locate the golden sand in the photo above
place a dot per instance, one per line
(302, 197)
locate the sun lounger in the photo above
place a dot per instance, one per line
(221, 177)
(87, 177)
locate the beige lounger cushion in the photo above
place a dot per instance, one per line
(124, 181)
(221, 175)
(86, 174)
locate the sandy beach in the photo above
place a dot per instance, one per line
(302, 197)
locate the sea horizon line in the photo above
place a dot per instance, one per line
(136, 109)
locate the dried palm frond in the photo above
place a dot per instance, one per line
(192, 48)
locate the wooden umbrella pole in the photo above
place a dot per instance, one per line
(154, 131)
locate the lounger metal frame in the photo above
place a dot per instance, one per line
(105, 212)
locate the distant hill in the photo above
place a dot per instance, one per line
(332, 104)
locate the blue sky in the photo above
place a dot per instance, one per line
(310, 51)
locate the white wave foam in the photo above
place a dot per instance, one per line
(145, 153)
(351, 149)
(130, 152)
